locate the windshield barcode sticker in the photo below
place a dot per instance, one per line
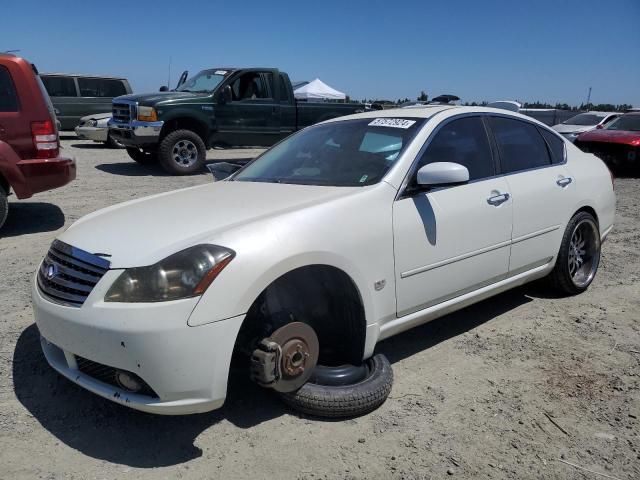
(392, 122)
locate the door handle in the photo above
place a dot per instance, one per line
(497, 200)
(563, 182)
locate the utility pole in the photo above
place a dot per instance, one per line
(589, 97)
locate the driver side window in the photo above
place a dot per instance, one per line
(462, 141)
(252, 86)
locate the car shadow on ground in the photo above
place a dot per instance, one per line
(31, 217)
(107, 431)
(67, 136)
(92, 146)
(133, 169)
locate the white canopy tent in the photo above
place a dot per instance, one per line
(317, 90)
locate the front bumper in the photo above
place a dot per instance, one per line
(186, 367)
(136, 133)
(97, 134)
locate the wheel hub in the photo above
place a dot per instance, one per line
(185, 153)
(584, 253)
(285, 360)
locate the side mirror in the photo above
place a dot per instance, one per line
(442, 173)
(164, 88)
(222, 170)
(226, 95)
(600, 126)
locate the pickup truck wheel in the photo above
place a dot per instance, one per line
(578, 257)
(113, 143)
(182, 152)
(143, 157)
(325, 394)
(4, 207)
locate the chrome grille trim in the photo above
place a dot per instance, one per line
(124, 112)
(68, 274)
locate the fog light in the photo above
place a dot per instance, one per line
(128, 381)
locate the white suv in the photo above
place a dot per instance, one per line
(340, 236)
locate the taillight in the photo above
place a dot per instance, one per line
(45, 139)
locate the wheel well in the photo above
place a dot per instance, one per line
(186, 123)
(322, 296)
(589, 210)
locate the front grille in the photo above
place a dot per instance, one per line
(123, 112)
(67, 274)
(615, 153)
(106, 374)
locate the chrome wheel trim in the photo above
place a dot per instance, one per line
(184, 153)
(584, 253)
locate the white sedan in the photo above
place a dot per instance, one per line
(340, 236)
(95, 127)
(584, 122)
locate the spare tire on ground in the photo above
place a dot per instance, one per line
(325, 394)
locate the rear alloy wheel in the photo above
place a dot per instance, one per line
(4, 207)
(143, 157)
(344, 391)
(579, 256)
(182, 152)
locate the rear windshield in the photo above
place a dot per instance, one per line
(344, 153)
(626, 122)
(585, 119)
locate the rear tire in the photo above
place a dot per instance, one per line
(182, 152)
(578, 257)
(345, 400)
(143, 157)
(4, 207)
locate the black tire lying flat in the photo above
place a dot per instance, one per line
(4, 206)
(141, 156)
(561, 279)
(182, 152)
(346, 400)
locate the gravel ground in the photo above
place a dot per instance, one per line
(509, 388)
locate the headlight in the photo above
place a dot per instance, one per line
(147, 114)
(184, 274)
(91, 123)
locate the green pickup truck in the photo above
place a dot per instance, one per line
(216, 107)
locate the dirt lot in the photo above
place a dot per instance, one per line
(508, 388)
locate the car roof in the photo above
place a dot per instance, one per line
(596, 112)
(428, 111)
(108, 77)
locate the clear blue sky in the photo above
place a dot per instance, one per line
(549, 50)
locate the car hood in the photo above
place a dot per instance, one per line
(96, 116)
(564, 128)
(611, 136)
(151, 99)
(144, 231)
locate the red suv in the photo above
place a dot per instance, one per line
(30, 160)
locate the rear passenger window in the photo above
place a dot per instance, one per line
(462, 141)
(60, 86)
(101, 87)
(521, 146)
(284, 91)
(8, 97)
(556, 145)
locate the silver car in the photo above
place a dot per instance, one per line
(94, 127)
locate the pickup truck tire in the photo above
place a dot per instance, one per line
(143, 157)
(113, 143)
(4, 206)
(340, 401)
(182, 152)
(578, 257)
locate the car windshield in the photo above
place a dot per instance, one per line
(626, 122)
(204, 82)
(585, 119)
(344, 153)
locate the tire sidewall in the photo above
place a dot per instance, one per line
(562, 262)
(166, 152)
(4, 207)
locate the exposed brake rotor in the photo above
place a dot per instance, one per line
(285, 360)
